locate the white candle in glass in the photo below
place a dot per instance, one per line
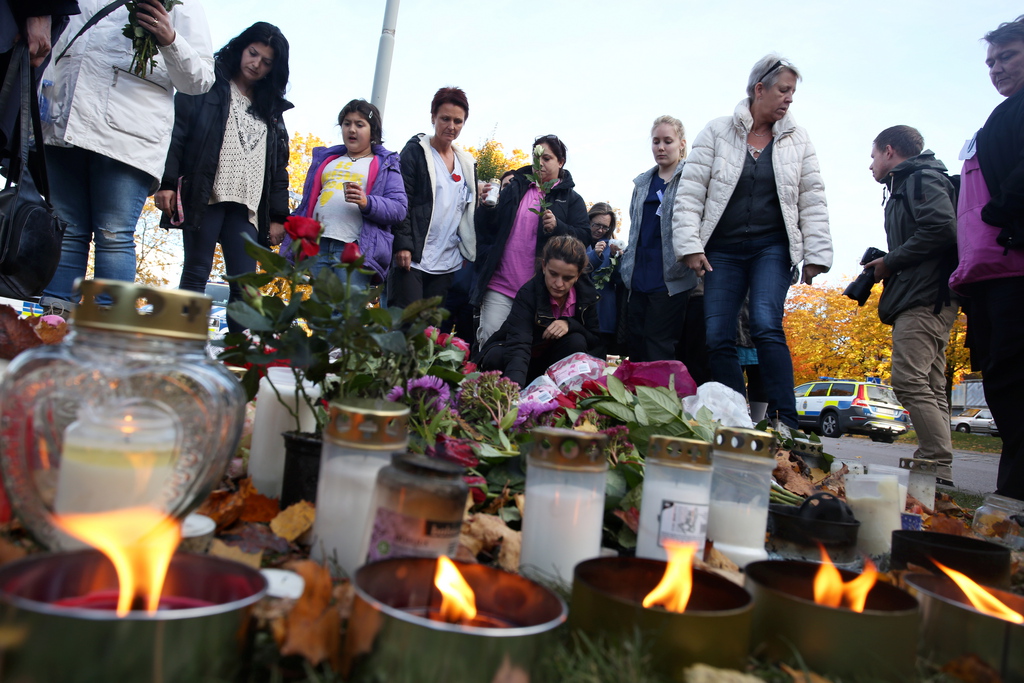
(343, 497)
(117, 457)
(266, 455)
(561, 526)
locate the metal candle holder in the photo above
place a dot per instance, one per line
(952, 627)
(880, 642)
(391, 639)
(53, 642)
(607, 597)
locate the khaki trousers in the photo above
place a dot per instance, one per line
(919, 339)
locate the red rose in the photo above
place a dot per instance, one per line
(351, 253)
(454, 450)
(459, 343)
(477, 487)
(468, 368)
(306, 232)
(442, 338)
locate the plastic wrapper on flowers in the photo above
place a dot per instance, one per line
(657, 374)
(726, 405)
(571, 372)
(543, 389)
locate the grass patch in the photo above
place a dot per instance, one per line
(969, 500)
(978, 443)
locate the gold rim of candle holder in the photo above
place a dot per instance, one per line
(175, 313)
(368, 423)
(569, 449)
(749, 443)
(675, 451)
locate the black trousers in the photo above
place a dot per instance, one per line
(998, 343)
(406, 286)
(655, 324)
(224, 222)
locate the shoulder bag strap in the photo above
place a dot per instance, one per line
(95, 19)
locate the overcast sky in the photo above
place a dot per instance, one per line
(598, 73)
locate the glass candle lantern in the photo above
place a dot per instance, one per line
(276, 400)
(564, 514)
(921, 479)
(740, 484)
(875, 501)
(360, 436)
(677, 492)
(128, 410)
(417, 509)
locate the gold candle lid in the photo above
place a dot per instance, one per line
(745, 442)
(678, 452)
(919, 465)
(175, 313)
(805, 447)
(569, 449)
(368, 423)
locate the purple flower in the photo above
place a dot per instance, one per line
(434, 388)
(395, 394)
(530, 409)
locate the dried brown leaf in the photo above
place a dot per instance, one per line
(51, 334)
(972, 669)
(482, 532)
(296, 520)
(313, 627)
(259, 508)
(16, 334)
(703, 673)
(229, 552)
(801, 677)
(944, 524)
(631, 518)
(223, 507)
(10, 552)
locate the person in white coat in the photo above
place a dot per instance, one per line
(750, 208)
(108, 130)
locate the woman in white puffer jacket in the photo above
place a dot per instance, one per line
(750, 208)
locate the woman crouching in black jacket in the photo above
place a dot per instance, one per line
(554, 315)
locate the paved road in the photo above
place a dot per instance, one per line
(971, 471)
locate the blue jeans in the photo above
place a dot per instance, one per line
(762, 267)
(101, 199)
(330, 257)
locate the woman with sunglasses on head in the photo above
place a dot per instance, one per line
(226, 170)
(554, 315)
(437, 236)
(511, 237)
(659, 287)
(749, 225)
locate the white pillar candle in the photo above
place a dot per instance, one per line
(343, 497)
(676, 493)
(738, 530)
(116, 457)
(266, 455)
(561, 528)
(874, 499)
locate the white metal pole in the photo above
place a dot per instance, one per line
(384, 51)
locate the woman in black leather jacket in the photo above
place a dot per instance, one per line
(553, 316)
(226, 170)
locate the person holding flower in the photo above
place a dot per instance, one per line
(658, 287)
(356, 191)
(605, 257)
(108, 129)
(553, 315)
(539, 203)
(437, 236)
(226, 174)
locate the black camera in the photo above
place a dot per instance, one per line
(860, 289)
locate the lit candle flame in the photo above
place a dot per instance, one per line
(139, 542)
(831, 591)
(673, 592)
(458, 602)
(982, 600)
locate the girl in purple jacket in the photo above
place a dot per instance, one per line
(356, 192)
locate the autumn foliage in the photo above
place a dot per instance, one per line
(831, 336)
(492, 162)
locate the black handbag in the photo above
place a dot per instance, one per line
(30, 231)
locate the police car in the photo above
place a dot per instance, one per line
(833, 407)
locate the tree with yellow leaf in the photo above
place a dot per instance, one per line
(492, 162)
(300, 156)
(831, 336)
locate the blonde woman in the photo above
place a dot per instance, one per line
(659, 287)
